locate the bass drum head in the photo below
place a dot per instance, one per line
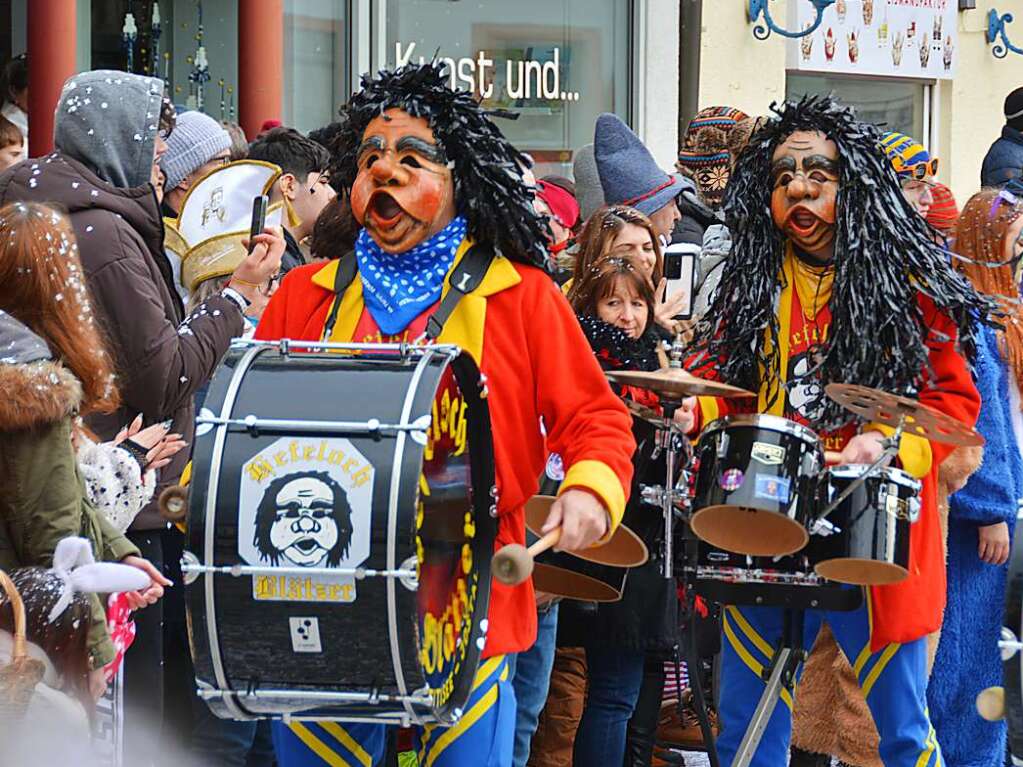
(861, 572)
(454, 538)
(568, 584)
(749, 531)
(350, 644)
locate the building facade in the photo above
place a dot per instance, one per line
(923, 67)
(556, 64)
(956, 112)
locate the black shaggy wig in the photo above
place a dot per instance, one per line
(486, 168)
(885, 255)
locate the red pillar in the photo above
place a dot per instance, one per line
(51, 61)
(260, 62)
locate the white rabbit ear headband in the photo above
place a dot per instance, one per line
(75, 565)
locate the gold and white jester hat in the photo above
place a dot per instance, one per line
(215, 217)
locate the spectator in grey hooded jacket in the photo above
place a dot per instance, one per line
(110, 132)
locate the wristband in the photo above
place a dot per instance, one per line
(136, 451)
(237, 298)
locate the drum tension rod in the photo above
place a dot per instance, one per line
(890, 449)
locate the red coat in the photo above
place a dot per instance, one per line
(913, 608)
(520, 330)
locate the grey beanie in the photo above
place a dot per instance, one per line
(195, 140)
(588, 190)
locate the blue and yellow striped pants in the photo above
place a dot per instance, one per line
(893, 680)
(483, 737)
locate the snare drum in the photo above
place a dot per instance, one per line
(756, 484)
(871, 547)
(340, 533)
(789, 582)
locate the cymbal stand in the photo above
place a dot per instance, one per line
(670, 496)
(890, 449)
(669, 438)
(780, 675)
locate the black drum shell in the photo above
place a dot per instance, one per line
(642, 519)
(254, 638)
(740, 458)
(875, 520)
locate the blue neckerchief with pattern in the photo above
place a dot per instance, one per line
(398, 287)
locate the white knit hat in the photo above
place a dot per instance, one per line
(195, 140)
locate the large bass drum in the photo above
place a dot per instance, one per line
(341, 524)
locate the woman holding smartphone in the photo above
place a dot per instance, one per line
(626, 233)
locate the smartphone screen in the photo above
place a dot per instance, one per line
(680, 271)
(259, 206)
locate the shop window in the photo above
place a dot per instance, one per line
(895, 105)
(315, 52)
(556, 63)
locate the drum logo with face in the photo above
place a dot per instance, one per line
(305, 502)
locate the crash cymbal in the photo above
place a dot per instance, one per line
(676, 382)
(877, 406)
(625, 549)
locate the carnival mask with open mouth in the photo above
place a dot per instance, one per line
(805, 172)
(403, 192)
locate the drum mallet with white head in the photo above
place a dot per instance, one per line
(991, 704)
(513, 563)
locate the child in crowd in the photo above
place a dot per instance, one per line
(54, 726)
(12, 144)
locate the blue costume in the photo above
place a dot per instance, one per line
(967, 659)
(892, 680)
(483, 737)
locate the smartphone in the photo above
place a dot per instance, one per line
(680, 272)
(259, 206)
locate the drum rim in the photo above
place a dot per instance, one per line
(770, 423)
(890, 473)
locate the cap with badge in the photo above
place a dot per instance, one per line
(215, 217)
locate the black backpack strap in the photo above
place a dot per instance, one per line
(347, 268)
(464, 279)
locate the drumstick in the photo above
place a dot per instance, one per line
(513, 563)
(831, 457)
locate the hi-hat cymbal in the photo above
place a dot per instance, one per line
(676, 382)
(624, 549)
(877, 406)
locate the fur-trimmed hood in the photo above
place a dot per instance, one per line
(36, 389)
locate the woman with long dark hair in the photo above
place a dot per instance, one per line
(621, 231)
